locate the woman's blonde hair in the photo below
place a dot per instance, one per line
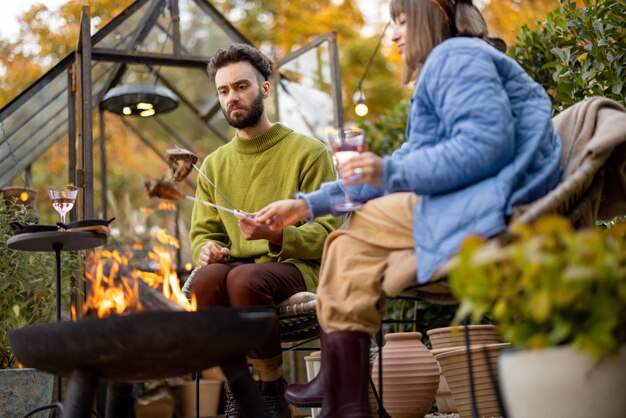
(430, 22)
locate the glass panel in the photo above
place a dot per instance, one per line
(181, 123)
(159, 39)
(200, 34)
(28, 131)
(305, 99)
(120, 37)
(100, 72)
(305, 110)
(194, 84)
(311, 69)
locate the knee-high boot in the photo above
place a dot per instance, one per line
(309, 395)
(346, 375)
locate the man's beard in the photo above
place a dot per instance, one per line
(251, 118)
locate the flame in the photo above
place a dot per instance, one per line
(164, 238)
(166, 206)
(146, 212)
(117, 291)
(137, 246)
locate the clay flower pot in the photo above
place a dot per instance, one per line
(454, 365)
(410, 375)
(455, 336)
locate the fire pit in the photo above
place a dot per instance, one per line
(145, 346)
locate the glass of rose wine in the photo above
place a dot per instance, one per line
(63, 199)
(346, 143)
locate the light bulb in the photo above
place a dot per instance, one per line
(126, 110)
(361, 109)
(145, 113)
(144, 106)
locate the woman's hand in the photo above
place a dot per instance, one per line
(282, 213)
(364, 168)
(251, 229)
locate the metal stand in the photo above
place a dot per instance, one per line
(56, 241)
(378, 395)
(58, 247)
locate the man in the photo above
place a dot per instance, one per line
(243, 263)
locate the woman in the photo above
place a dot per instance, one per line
(480, 140)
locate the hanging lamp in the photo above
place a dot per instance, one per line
(139, 100)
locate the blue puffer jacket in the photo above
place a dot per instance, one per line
(480, 140)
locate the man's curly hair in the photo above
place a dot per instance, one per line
(238, 53)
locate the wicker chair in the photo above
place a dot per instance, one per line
(298, 319)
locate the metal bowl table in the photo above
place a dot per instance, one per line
(145, 346)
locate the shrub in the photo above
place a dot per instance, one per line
(577, 52)
(552, 286)
(27, 283)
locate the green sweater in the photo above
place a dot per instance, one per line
(252, 173)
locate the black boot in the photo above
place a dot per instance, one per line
(346, 373)
(309, 395)
(274, 395)
(232, 409)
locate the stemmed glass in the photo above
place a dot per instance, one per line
(346, 144)
(63, 199)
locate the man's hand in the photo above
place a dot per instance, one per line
(251, 230)
(282, 213)
(213, 253)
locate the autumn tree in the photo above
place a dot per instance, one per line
(505, 17)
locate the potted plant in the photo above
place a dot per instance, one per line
(27, 295)
(559, 297)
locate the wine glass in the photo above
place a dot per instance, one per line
(346, 144)
(63, 199)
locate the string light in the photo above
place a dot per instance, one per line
(358, 97)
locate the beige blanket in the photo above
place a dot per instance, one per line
(594, 126)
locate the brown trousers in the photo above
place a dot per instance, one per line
(244, 284)
(350, 296)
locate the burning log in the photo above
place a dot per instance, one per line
(115, 289)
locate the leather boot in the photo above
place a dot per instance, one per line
(232, 408)
(309, 395)
(346, 371)
(274, 395)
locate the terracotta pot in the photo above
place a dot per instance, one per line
(185, 394)
(443, 398)
(454, 365)
(562, 382)
(455, 336)
(410, 375)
